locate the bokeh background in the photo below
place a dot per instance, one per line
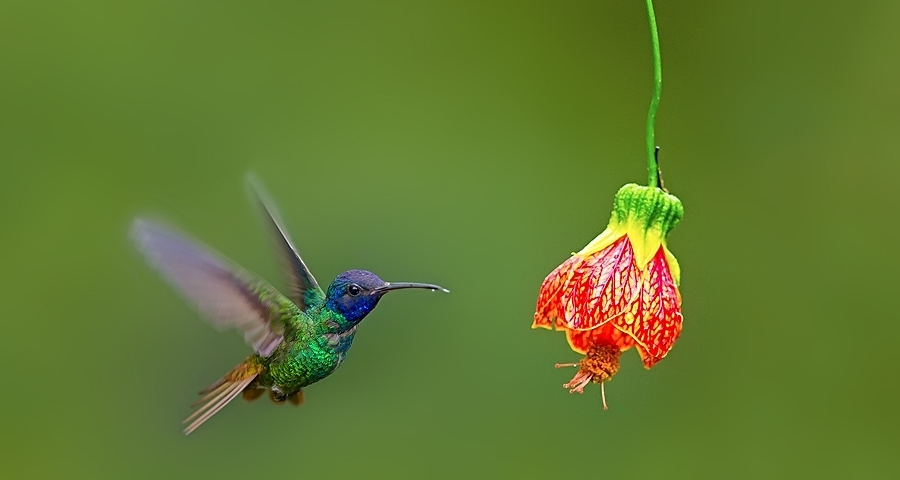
(472, 144)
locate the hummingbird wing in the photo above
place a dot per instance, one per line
(303, 288)
(229, 296)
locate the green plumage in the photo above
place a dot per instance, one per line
(313, 348)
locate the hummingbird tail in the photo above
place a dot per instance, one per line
(219, 394)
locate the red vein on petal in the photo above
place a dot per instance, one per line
(656, 321)
(602, 287)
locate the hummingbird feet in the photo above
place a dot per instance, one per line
(277, 397)
(252, 394)
(295, 398)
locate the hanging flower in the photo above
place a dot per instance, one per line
(619, 291)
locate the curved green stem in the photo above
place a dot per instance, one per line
(652, 167)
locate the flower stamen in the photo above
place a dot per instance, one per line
(581, 379)
(598, 366)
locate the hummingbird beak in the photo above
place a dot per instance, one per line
(388, 286)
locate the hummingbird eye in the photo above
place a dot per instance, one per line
(353, 289)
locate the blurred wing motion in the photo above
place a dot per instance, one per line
(228, 296)
(304, 290)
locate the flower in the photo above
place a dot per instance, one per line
(619, 291)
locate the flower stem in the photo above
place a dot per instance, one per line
(652, 167)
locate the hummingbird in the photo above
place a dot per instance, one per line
(297, 339)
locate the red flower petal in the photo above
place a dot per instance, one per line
(658, 312)
(548, 312)
(582, 340)
(602, 287)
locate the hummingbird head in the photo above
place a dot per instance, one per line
(355, 293)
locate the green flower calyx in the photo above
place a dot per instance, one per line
(646, 215)
(649, 209)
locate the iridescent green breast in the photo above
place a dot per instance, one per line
(311, 351)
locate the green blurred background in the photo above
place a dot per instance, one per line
(472, 144)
